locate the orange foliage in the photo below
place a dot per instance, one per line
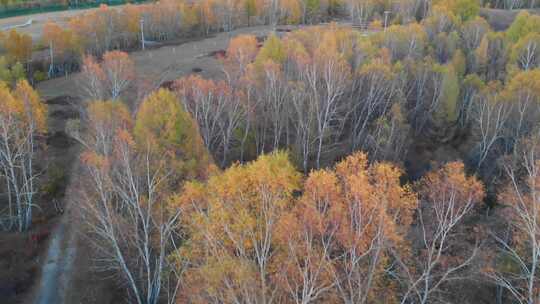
(449, 188)
(119, 70)
(105, 120)
(242, 51)
(356, 209)
(232, 224)
(62, 41)
(250, 237)
(18, 46)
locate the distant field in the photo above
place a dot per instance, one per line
(39, 20)
(500, 19)
(24, 8)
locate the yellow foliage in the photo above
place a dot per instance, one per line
(165, 129)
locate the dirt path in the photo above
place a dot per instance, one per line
(57, 262)
(58, 265)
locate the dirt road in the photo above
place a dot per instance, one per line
(58, 265)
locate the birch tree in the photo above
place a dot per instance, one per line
(326, 78)
(119, 72)
(490, 115)
(516, 269)
(22, 120)
(93, 78)
(376, 210)
(217, 110)
(372, 98)
(309, 237)
(232, 231)
(447, 197)
(124, 205)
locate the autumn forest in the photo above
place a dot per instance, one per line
(345, 151)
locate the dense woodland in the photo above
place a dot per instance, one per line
(328, 165)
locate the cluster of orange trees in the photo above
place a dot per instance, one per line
(15, 49)
(323, 222)
(262, 232)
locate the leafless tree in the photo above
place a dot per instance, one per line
(92, 79)
(358, 265)
(490, 116)
(418, 94)
(233, 117)
(108, 79)
(390, 138)
(326, 81)
(273, 12)
(17, 151)
(359, 11)
(447, 197)
(303, 122)
(528, 57)
(307, 272)
(273, 97)
(524, 115)
(424, 285)
(523, 247)
(473, 31)
(119, 71)
(217, 109)
(370, 98)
